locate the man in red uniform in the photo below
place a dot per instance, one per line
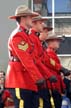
(22, 75)
(43, 36)
(59, 87)
(35, 31)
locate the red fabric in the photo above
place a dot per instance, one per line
(51, 54)
(6, 94)
(38, 55)
(59, 85)
(23, 74)
(5, 97)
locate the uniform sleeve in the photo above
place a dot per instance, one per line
(51, 63)
(21, 49)
(43, 69)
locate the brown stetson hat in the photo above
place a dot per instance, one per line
(23, 10)
(39, 18)
(46, 27)
(54, 37)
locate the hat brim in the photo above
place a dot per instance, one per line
(39, 19)
(48, 28)
(55, 38)
(33, 14)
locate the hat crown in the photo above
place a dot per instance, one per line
(39, 18)
(52, 36)
(22, 10)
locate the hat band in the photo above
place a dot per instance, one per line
(23, 14)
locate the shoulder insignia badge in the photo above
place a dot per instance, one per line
(52, 62)
(23, 46)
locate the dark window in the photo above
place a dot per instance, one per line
(65, 47)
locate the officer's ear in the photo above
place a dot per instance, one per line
(18, 19)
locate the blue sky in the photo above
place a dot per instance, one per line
(60, 5)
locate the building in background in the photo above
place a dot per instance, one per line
(58, 13)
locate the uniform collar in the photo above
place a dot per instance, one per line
(24, 29)
(35, 32)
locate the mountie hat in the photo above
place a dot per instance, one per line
(53, 36)
(23, 10)
(39, 18)
(47, 27)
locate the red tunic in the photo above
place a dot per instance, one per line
(59, 85)
(23, 74)
(38, 56)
